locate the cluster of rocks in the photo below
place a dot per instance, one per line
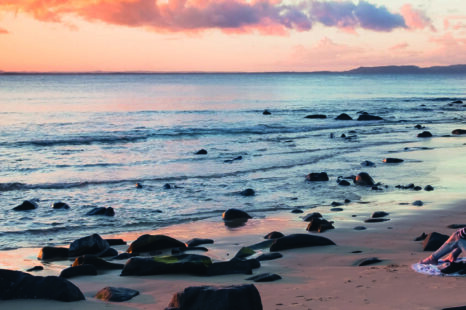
(33, 204)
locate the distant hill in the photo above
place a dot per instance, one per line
(455, 69)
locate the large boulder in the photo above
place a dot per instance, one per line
(317, 176)
(116, 294)
(235, 214)
(364, 179)
(76, 271)
(26, 205)
(53, 253)
(434, 241)
(244, 297)
(20, 285)
(93, 244)
(299, 241)
(147, 243)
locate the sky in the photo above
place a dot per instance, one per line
(228, 35)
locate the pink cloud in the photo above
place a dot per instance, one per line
(400, 46)
(415, 19)
(3, 31)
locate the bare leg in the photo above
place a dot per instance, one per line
(453, 255)
(449, 245)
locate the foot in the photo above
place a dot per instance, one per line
(429, 260)
(453, 256)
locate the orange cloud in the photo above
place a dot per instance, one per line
(415, 19)
(400, 46)
(3, 31)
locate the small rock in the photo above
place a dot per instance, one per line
(233, 214)
(423, 236)
(274, 235)
(167, 186)
(93, 244)
(201, 152)
(147, 243)
(376, 220)
(112, 242)
(298, 241)
(265, 277)
(336, 204)
(269, 256)
(337, 209)
(99, 263)
(101, 211)
(26, 205)
(266, 112)
(52, 253)
(198, 241)
(418, 203)
(116, 294)
(429, 188)
(344, 183)
(367, 163)
(364, 179)
(378, 214)
(35, 268)
(76, 271)
(368, 117)
(138, 185)
(309, 217)
(417, 188)
(360, 228)
(317, 176)
(367, 261)
(314, 116)
(248, 192)
(343, 117)
(297, 211)
(319, 225)
(459, 132)
(419, 126)
(390, 160)
(60, 205)
(424, 134)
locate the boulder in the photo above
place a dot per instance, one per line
(378, 214)
(299, 241)
(52, 253)
(26, 205)
(116, 294)
(368, 117)
(99, 263)
(233, 266)
(459, 132)
(269, 256)
(247, 192)
(102, 211)
(60, 205)
(390, 160)
(309, 217)
(266, 112)
(343, 117)
(317, 176)
(201, 152)
(110, 252)
(364, 179)
(424, 134)
(434, 241)
(198, 241)
(319, 225)
(93, 244)
(235, 214)
(274, 235)
(343, 183)
(112, 242)
(316, 116)
(76, 271)
(244, 297)
(265, 277)
(147, 243)
(20, 285)
(367, 163)
(418, 203)
(429, 188)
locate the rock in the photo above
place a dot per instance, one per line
(317, 176)
(429, 188)
(112, 242)
(179, 264)
(110, 252)
(419, 126)
(262, 245)
(297, 211)
(35, 268)
(60, 205)
(378, 214)
(244, 252)
(457, 102)
(76, 271)
(102, 211)
(314, 116)
(343, 183)
(376, 220)
(423, 236)
(138, 185)
(418, 203)
(116, 294)
(368, 117)
(360, 228)
(265, 277)
(167, 186)
(147, 243)
(248, 192)
(197, 241)
(99, 263)
(93, 244)
(434, 241)
(309, 217)
(336, 204)
(26, 205)
(337, 209)
(269, 256)
(343, 117)
(234, 266)
(424, 134)
(417, 188)
(274, 235)
(367, 261)
(266, 112)
(235, 214)
(244, 297)
(364, 179)
(232, 160)
(319, 225)
(459, 132)
(456, 226)
(20, 285)
(390, 160)
(367, 163)
(52, 253)
(201, 152)
(298, 241)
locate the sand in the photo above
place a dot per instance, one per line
(312, 278)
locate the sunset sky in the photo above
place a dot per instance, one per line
(229, 35)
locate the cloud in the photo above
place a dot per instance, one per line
(398, 47)
(3, 31)
(415, 19)
(266, 16)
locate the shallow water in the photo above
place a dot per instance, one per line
(87, 139)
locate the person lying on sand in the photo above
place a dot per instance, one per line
(453, 246)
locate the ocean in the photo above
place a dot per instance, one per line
(88, 139)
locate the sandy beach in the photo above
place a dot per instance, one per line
(312, 278)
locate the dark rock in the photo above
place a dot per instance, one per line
(319, 225)
(76, 271)
(138, 185)
(110, 252)
(102, 211)
(459, 132)
(99, 263)
(367, 163)
(456, 226)
(180, 264)
(418, 126)
(423, 236)
(93, 244)
(167, 186)
(201, 152)
(234, 266)
(52, 253)
(297, 211)
(347, 200)
(337, 209)
(311, 216)
(274, 235)
(198, 241)
(343, 183)
(314, 116)
(60, 205)
(336, 204)
(298, 241)
(364, 179)
(360, 228)
(232, 160)
(367, 261)
(262, 245)
(424, 134)
(244, 297)
(378, 214)
(418, 203)
(368, 117)
(147, 243)
(234, 214)
(390, 160)
(116, 294)
(248, 192)
(269, 256)
(434, 241)
(376, 220)
(453, 267)
(417, 188)
(265, 277)
(266, 112)
(429, 188)
(343, 117)
(112, 242)
(20, 285)
(35, 268)
(244, 252)
(26, 205)
(457, 102)
(317, 176)
(455, 308)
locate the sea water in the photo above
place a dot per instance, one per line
(87, 139)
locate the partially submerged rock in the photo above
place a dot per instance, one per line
(368, 117)
(390, 160)
(424, 134)
(26, 205)
(299, 241)
(60, 205)
(102, 211)
(317, 176)
(198, 241)
(147, 243)
(364, 179)
(343, 117)
(459, 132)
